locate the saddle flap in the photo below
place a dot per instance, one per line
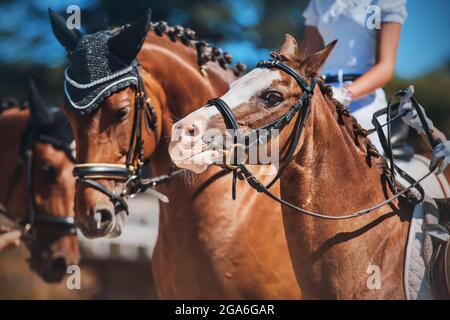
(447, 267)
(444, 212)
(439, 271)
(436, 224)
(433, 220)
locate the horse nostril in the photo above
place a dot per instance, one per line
(59, 265)
(103, 217)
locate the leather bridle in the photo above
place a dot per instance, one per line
(131, 171)
(63, 225)
(302, 107)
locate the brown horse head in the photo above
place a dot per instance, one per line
(39, 186)
(257, 99)
(140, 85)
(110, 120)
(334, 171)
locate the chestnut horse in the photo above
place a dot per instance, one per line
(36, 184)
(208, 246)
(334, 170)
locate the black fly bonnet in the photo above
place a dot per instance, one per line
(101, 64)
(95, 73)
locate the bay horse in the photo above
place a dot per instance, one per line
(333, 169)
(208, 246)
(36, 183)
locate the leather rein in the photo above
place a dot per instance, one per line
(64, 225)
(131, 171)
(302, 109)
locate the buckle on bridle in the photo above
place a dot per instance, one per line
(130, 182)
(231, 156)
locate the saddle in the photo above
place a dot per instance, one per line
(437, 227)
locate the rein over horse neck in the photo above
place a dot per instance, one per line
(317, 246)
(332, 258)
(236, 155)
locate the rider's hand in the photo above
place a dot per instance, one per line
(411, 118)
(9, 239)
(441, 157)
(343, 95)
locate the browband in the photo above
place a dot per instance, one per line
(309, 88)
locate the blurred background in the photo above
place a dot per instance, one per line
(249, 30)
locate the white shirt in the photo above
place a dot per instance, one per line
(348, 21)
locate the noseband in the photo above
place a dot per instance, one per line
(63, 225)
(131, 171)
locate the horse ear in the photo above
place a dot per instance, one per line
(128, 42)
(68, 38)
(40, 114)
(313, 63)
(289, 49)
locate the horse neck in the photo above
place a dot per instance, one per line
(330, 175)
(329, 163)
(13, 123)
(179, 86)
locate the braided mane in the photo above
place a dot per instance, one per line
(205, 53)
(343, 111)
(188, 37)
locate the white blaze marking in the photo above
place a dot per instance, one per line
(241, 91)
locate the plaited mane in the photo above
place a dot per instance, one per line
(205, 53)
(343, 111)
(9, 103)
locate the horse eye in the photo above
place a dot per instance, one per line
(272, 98)
(51, 172)
(122, 113)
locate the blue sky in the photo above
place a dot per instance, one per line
(424, 43)
(425, 38)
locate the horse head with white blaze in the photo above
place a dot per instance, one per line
(256, 102)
